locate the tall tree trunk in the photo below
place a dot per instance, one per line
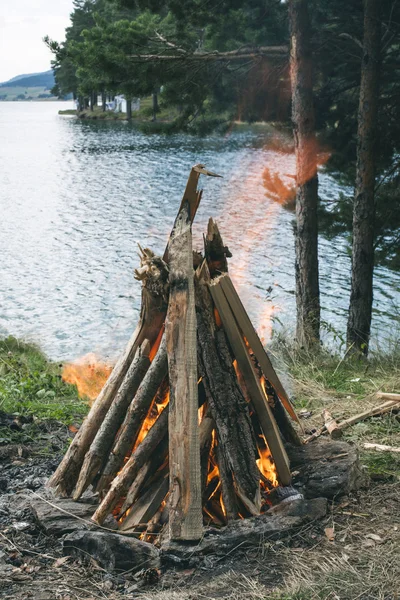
(306, 233)
(155, 105)
(129, 108)
(360, 310)
(103, 101)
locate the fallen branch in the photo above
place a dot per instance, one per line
(380, 447)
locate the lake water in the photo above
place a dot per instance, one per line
(76, 197)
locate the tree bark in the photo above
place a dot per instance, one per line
(306, 233)
(129, 108)
(360, 309)
(185, 514)
(155, 105)
(104, 101)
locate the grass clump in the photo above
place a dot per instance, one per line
(30, 385)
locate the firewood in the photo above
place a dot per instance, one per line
(225, 398)
(267, 421)
(227, 486)
(380, 447)
(185, 514)
(146, 506)
(124, 479)
(388, 396)
(192, 195)
(281, 416)
(104, 439)
(331, 425)
(254, 342)
(372, 412)
(215, 251)
(145, 475)
(152, 316)
(135, 416)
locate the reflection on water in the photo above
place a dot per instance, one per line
(77, 196)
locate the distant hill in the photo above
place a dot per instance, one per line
(42, 80)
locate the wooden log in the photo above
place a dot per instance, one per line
(135, 416)
(227, 404)
(254, 342)
(227, 486)
(102, 443)
(331, 425)
(185, 515)
(152, 315)
(146, 506)
(388, 396)
(124, 479)
(240, 351)
(380, 448)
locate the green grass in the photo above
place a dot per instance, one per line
(30, 385)
(322, 380)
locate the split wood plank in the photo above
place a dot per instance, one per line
(388, 396)
(255, 343)
(146, 506)
(185, 509)
(260, 403)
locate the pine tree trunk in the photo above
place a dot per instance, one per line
(129, 108)
(103, 101)
(155, 106)
(306, 234)
(360, 310)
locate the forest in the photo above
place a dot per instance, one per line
(329, 71)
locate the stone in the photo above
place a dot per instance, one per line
(63, 515)
(325, 468)
(113, 551)
(278, 522)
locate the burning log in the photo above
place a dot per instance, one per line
(104, 439)
(135, 416)
(264, 414)
(152, 315)
(185, 516)
(124, 479)
(226, 401)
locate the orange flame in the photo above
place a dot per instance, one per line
(88, 374)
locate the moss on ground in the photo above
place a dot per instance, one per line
(31, 387)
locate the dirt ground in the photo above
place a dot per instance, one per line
(354, 553)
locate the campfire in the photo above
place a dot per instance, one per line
(189, 428)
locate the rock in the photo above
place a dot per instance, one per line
(274, 524)
(63, 515)
(326, 469)
(113, 551)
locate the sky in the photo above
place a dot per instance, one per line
(23, 24)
